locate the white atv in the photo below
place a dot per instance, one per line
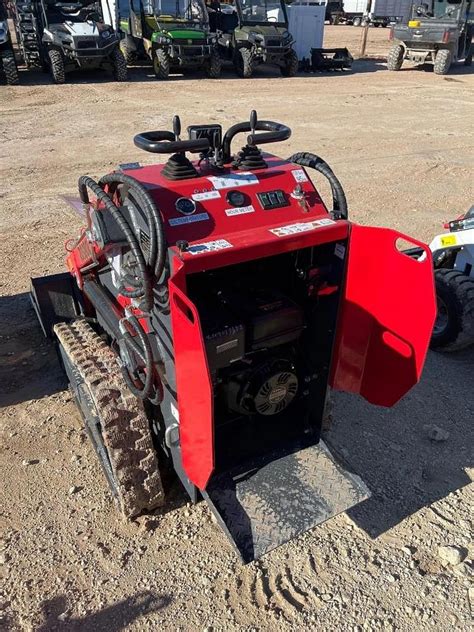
(63, 36)
(453, 259)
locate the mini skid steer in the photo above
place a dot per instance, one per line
(207, 307)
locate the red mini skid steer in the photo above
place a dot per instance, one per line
(207, 308)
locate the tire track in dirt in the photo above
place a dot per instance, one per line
(281, 593)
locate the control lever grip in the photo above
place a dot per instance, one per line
(274, 132)
(163, 142)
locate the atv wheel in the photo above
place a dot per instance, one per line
(119, 65)
(9, 67)
(442, 62)
(291, 65)
(454, 325)
(213, 65)
(356, 21)
(244, 62)
(395, 57)
(115, 419)
(161, 64)
(128, 51)
(56, 65)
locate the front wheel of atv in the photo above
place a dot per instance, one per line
(454, 325)
(9, 67)
(213, 65)
(244, 62)
(291, 65)
(356, 21)
(119, 65)
(395, 57)
(56, 65)
(161, 64)
(442, 62)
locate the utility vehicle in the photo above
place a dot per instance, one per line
(253, 32)
(453, 259)
(7, 55)
(208, 304)
(64, 36)
(439, 32)
(174, 34)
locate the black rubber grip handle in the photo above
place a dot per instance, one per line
(275, 132)
(162, 142)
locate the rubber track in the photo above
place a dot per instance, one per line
(125, 426)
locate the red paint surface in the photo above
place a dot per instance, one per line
(195, 398)
(385, 319)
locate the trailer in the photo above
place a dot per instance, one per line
(377, 12)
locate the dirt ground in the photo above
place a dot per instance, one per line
(403, 146)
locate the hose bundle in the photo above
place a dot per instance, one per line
(312, 161)
(150, 267)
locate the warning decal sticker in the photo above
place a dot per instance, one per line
(209, 246)
(302, 227)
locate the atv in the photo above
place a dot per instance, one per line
(7, 55)
(254, 32)
(453, 259)
(207, 306)
(173, 34)
(440, 33)
(63, 36)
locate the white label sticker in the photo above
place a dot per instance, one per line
(209, 246)
(303, 227)
(299, 175)
(340, 251)
(240, 210)
(188, 219)
(174, 412)
(206, 195)
(235, 180)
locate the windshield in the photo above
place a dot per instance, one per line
(187, 10)
(263, 11)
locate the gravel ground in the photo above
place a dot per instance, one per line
(403, 146)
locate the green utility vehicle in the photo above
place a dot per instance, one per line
(253, 32)
(440, 33)
(174, 34)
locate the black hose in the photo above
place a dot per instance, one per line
(155, 223)
(145, 352)
(144, 287)
(312, 161)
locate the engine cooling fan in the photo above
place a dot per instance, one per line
(268, 390)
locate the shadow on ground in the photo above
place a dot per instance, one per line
(391, 449)
(29, 365)
(111, 619)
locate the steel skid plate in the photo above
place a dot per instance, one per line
(270, 502)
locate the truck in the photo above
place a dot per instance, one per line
(376, 12)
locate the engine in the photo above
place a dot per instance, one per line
(250, 343)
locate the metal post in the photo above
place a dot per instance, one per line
(363, 44)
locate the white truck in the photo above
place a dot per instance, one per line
(376, 12)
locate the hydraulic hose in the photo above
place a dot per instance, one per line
(145, 352)
(157, 254)
(144, 288)
(312, 161)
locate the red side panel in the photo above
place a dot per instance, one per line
(195, 401)
(386, 317)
